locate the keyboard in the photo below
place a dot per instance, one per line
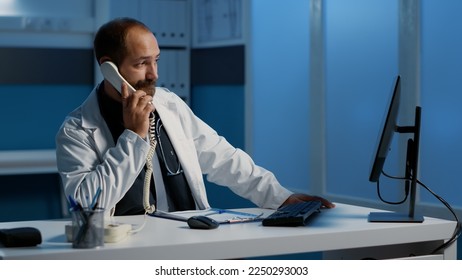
(296, 214)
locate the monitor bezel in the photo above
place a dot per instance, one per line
(389, 127)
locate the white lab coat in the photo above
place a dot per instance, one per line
(88, 158)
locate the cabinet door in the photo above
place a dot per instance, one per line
(168, 19)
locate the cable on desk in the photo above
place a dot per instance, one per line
(142, 225)
(458, 228)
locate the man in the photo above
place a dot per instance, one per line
(104, 143)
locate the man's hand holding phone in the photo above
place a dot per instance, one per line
(137, 107)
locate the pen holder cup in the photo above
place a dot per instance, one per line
(88, 228)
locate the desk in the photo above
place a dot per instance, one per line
(342, 232)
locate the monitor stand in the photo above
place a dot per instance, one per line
(392, 217)
(411, 172)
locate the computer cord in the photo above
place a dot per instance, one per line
(458, 228)
(392, 202)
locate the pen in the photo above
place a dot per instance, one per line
(166, 215)
(244, 220)
(215, 212)
(74, 205)
(226, 211)
(94, 202)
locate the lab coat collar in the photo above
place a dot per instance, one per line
(93, 121)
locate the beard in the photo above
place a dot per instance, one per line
(148, 86)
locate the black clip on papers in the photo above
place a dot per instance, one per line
(20, 237)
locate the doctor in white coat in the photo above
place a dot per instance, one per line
(89, 157)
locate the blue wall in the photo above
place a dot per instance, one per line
(32, 114)
(361, 64)
(222, 107)
(441, 158)
(279, 73)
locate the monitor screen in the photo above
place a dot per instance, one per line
(390, 126)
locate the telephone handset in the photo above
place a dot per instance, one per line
(111, 73)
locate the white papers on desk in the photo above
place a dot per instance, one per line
(222, 216)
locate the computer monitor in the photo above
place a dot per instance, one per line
(390, 127)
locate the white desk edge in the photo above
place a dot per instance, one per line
(342, 228)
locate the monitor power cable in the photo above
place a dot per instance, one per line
(458, 229)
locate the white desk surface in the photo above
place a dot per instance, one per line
(343, 227)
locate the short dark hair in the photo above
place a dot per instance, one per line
(110, 38)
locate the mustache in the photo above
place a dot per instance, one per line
(145, 84)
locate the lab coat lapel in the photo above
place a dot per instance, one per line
(92, 121)
(184, 148)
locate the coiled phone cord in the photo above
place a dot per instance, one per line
(147, 179)
(148, 208)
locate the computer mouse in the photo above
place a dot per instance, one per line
(202, 222)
